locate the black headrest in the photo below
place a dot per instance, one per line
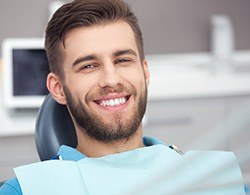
(54, 128)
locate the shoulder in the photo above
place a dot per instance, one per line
(11, 187)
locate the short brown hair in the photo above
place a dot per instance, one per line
(85, 13)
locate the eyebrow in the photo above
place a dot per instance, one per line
(123, 52)
(85, 58)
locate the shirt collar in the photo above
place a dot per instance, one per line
(150, 141)
(69, 153)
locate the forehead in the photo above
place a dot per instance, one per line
(99, 39)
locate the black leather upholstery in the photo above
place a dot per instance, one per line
(54, 127)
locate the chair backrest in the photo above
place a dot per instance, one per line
(54, 128)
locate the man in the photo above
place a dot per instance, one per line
(99, 71)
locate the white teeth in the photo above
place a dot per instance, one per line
(122, 100)
(104, 103)
(117, 102)
(113, 102)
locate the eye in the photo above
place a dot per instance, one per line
(88, 68)
(122, 61)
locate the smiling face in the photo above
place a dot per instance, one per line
(105, 81)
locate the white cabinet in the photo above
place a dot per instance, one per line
(188, 124)
(16, 151)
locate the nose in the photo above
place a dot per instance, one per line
(110, 76)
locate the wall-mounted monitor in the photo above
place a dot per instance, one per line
(25, 68)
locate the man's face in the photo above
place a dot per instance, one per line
(105, 81)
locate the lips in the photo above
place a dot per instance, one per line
(112, 102)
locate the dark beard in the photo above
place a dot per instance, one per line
(95, 127)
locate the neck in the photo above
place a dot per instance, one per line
(93, 148)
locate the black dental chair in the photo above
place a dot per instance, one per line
(54, 127)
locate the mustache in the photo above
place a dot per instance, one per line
(103, 92)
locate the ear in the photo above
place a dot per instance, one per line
(146, 71)
(55, 88)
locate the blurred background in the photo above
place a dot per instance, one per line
(169, 26)
(199, 56)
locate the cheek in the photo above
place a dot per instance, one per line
(81, 83)
(138, 81)
(135, 74)
(77, 91)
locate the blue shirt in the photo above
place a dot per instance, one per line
(12, 187)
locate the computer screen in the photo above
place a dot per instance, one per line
(25, 68)
(30, 69)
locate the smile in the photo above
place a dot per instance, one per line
(113, 102)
